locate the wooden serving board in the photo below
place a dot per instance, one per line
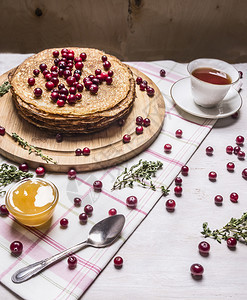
(107, 147)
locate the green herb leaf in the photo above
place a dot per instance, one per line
(4, 88)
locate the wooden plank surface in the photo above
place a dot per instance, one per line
(107, 147)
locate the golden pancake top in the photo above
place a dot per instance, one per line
(107, 97)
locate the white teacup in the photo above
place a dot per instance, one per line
(209, 94)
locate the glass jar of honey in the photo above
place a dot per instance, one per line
(32, 201)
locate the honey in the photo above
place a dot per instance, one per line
(32, 201)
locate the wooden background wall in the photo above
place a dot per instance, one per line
(130, 29)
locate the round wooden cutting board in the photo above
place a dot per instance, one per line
(107, 147)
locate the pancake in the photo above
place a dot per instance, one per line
(93, 112)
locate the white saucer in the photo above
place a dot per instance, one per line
(181, 94)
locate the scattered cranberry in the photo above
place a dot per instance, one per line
(83, 56)
(108, 80)
(230, 166)
(97, 186)
(170, 205)
(86, 151)
(241, 154)
(55, 53)
(178, 180)
(93, 88)
(126, 138)
(204, 247)
(138, 80)
(106, 65)
(168, 147)
(240, 74)
(49, 85)
(98, 72)
(59, 137)
(37, 92)
(231, 242)
(64, 222)
(178, 190)
(112, 212)
(139, 120)
(146, 122)
(218, 199)
(179, 133)
(60, 102)
(104, 58)
(131, 201)
(77, 201)
(79, 65)
(36, 72)
(150, 91)
(212, 175)
(72, 261)
(88, 209)
(43, 67)
(110, 73)
(31, 81)
(118, 262)
(16, 247)
(196, 270)
(40, 171)
(236, 150)
(23, 167)
(244, 173)
(139, 130)
(2, 130)
(185, 170)
(229, 149)
(239, 140)
(78, 152)
(209, 150)
(72, 174)
(78, 96)
(3, 210)
(234, 197)
(162, 73)
(83, 218)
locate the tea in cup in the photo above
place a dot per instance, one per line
(211, 79)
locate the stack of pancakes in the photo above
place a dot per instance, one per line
(93, 112)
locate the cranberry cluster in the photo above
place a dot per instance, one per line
(63, 68)
(139, 129)
(145, 87)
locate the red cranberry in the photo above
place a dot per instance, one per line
(126, 138)
(185, 170)
(139, 130)
(170, 205)
(218, 199)
(162, 73)
(60, 102)
(178, 190)
(78, 96)
(96, 81)
(118, 262)
(77, 72)
(72, 261)
(91, 77)
(107, 65)
(83, 218)
(244, 173)
(3, 210)
(93, 88)
(83, 56)
(196, 270)
(31, 81)
(2, 130)
(179, 133)
(88, 83)
(241, 154)
(97, 186)
(79, 65)
(230, 166)
(72, 174)
(16, 247)
(138, 80)
(108, 80)
(145, 83)
(71, 51)
(79, 87)
(212, 176)
(150, 91)
(104, 75)
(236, 150)
(86, 151)
(146, 122)
(64, 91)
(231, 242)
(70, 56)
(49, 85)
(70, 80)
(61, 86)
(54, 96)
(110, 73)
(62, 65)
(239, 140)
(168, 148)
(64, 222)
(204, 247)
(72, 90)
(209, 150)
(88, 209)
(45, 72)
(59, 137)
(229, 149)
(37, 92)
(77, 59)
(40, 171)
(178, 180)
(112, 212)
(56, 61)
(131, 201)
(71, 99)
(78, 152)
(55, 81)
(48, 77)
(42, 67)
(234, 197)
(23, 167)
(67, 73)
(54, 74)
(77, 77)
(139, 120)
(240, 74)
(77, 201)
(54, 69)
(36, 72)
(104, 58)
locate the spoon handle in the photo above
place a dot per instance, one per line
(25, 273)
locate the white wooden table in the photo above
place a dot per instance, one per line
(157, 259)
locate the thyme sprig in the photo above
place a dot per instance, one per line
(236, 228)
(4, 88)
(32, 149)
(140, 173)
(9, 174)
